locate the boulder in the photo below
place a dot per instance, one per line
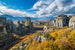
(22, 43)
(43, 38)
(21, 47)
(39, 39)
(50, 29)
(35, 37)
(70, 29)
(25, 45)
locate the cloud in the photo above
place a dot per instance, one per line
(63, 2)
(58, 7)
(46, 8)
(41, 4)
(12, 12)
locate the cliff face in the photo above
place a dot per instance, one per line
(60, 21)
(27, 21)
(62, 16)
(72, 21)
(2, 21)
(3, 24)
(63, 20)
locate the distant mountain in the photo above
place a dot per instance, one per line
(42, 18)
(9, 17)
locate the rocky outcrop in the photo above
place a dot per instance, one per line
(23, 46)
(2, 21)
(3, 24)
(28, 22)
(11, 28)
(72, 21)
(35, 37)
(40, 39)
(70, 29)
(60, 21)
(43, 38)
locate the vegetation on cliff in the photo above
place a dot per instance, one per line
(59, 39)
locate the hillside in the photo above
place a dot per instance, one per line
(25, 39)
(59, 39)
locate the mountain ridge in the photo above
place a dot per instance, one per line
(9, 17)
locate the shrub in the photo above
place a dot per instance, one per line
(23, 49)
(30, 40)
(39, 34)
(70, 27)
(48, 36)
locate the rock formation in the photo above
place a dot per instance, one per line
(72, 21)
(20, 27)
(28, 22)
(3, 24)
(60, 21)
(10, 26)
(2, 21)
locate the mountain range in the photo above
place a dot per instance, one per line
(9, 17)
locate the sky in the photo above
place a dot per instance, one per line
(37, 8)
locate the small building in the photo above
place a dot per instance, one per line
(72, 21)
(45, 29)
